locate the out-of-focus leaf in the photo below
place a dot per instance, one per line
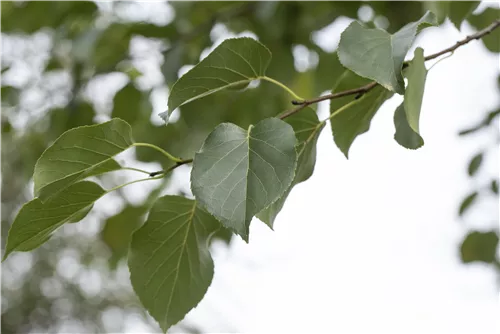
(36, 221)
(439, 8)
(238, 172)
(460, 10)
(356, 119)
(494, 186)
(484, 123)
(475, 163)
(467, 203)
(479, 246)
(378, 55)
(79, 153)
(111, 47)
(169, 261)
(127, 104)
(484, 19)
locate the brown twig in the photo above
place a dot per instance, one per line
(183, 162)
(366, 88)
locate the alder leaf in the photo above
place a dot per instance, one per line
(36, 221)
(79, 153)
(240, 172)
(378, 55)
(169, 261)
(307, 128)
(355, 120)
(407, 115)
(234, 62)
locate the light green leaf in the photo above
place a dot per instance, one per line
(479, 246)
(405, 136)
(234, 62)
(378, 55)
(169, 261)
(460, 10)
(36, 221)
(407, 115)
(240, 172)
(307, 128)
(355, 120)
(79, 153)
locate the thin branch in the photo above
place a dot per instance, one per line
(366, 88)
(177, 164)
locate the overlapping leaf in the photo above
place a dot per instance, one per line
(234, 62)
(36, 221)
(355, 120)
(170, 265)
(378, 55)
(460, 10)
(307, 128)
(79, 153)
(407, 115)
(240, 172)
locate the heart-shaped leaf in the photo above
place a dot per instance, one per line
(234, 62)
(36, 221)
(356, 119)
(170, 265)
(307, 128)
(407, 115)
(79, 153)
(240, 172)
(378, 55)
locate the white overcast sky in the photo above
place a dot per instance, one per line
(370, 244)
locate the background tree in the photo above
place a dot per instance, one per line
(56, 74)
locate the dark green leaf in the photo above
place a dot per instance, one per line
(460, 10)
(479, 246)
(36, 221)
(233, 62)
(307, 129)
(484, 19)
(494, 187)
(79, 153)
(407, 115)
(356, 119)
(170, 265)
(439, 8)
(475, 163)
(467, 203)
(378, 55)
(240, 172)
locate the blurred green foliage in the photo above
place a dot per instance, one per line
(57, 61)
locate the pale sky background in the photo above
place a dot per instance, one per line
(370, 244)
(366, 245)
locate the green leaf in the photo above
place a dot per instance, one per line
(169, 261)
(79, 153)
(474, 164)
(484, 123)
(307, 128)
(439, 8)
(233, 62)
(127, 104)
(238, 173)
(484, 19)
(36, 221)
(356, 119)
(494, 187)
(405, 136)
(460, 10)
(467, 203)
(479, 246)
(407, 115)
(378, 55)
